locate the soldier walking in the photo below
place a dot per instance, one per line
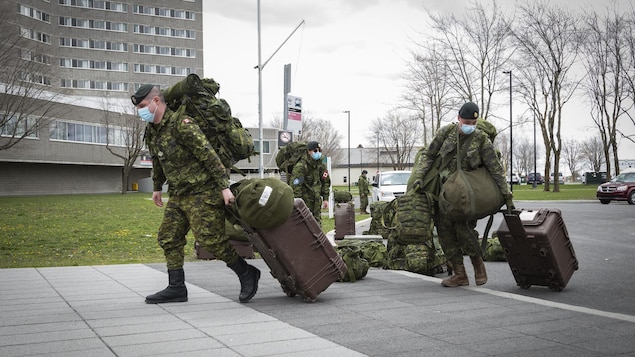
(456, 238)
(198, 186)
(310, 180)
(362, 185)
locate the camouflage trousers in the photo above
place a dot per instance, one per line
(204, 214)
(363, 202)
(456, 239)
(314, 204)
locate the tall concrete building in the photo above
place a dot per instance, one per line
(91, 55)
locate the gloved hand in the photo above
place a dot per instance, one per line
(509, 203)
(416, 186)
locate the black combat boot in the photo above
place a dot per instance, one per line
(175, 292)
(248, 276)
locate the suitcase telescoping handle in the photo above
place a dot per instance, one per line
(514, 224)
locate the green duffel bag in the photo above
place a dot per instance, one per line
(352, 254)
(263, 203)
(494, 251)
(427, 259)
(342, 196)
(375, 253)
(235, 231)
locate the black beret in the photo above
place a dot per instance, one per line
(364, 172)
(141, 93)
(313, 145)
(469, 111)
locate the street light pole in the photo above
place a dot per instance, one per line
(534, 183)
(377, 134)
(348, 112)
(511, 146)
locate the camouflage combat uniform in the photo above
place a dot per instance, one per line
(456, 237)
(362, 185)
(310, 181)
(182, 155)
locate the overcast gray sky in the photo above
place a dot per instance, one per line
(347, 56)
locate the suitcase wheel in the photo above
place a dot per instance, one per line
(555, 287)
(287, 291)
(525, 286)
(308, 299)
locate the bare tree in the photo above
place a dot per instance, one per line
(628, 67)
(548, 44)
(606, 87)
(320, 130)
(124, 136)
(524, 156)
(572, 150)
(27, 103)
(427, 90)
(591, 153)
(479, 48)
(398, 134)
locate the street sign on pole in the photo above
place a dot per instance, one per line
(294, 104)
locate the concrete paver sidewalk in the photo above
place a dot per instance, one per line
(100, 311)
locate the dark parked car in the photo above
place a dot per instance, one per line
(535, 176)
(620, 188)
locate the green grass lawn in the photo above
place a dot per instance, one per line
(66, 230)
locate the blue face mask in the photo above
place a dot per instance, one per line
(146, 115)
(316, 155)
(467, 129)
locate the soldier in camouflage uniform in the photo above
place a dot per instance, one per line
(362, 185)
(198, 189)
(456, 238)
(310, 180)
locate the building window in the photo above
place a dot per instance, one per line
(265, 145)
(87, 133)
(96, 4)
(17, 126)
(93, 44)
(31, 56)
(35, 78)
(95, 85)
(36, 35)
(90, 64)
(93, 24)
(163, 12)
(164, 31)
(167, 70)
(165, 51)
(35, 13)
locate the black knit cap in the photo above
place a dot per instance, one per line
(364, 172)
(313, 145)
(141, 93)
(469, 111)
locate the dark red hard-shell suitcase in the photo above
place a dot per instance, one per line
(344, 219)
(299, 254)
(538, 249)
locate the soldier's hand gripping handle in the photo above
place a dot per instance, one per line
(228, 196)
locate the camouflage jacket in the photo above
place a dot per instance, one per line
(481, 152)
(309, 178)
(182, 155)
(362, 185)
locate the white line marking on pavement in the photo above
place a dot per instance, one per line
(585, 310)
